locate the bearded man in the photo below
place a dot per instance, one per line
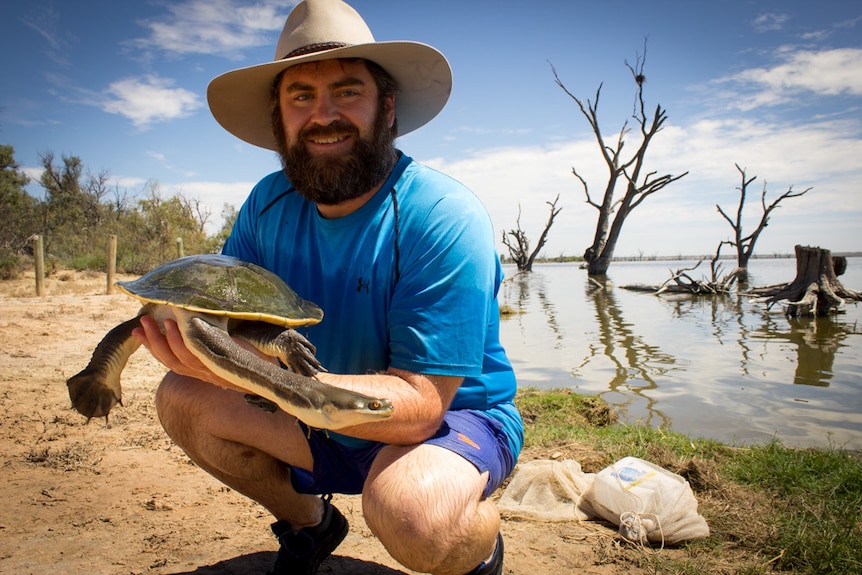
(402, 260)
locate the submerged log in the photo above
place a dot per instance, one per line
(681, 282)
(816, 291)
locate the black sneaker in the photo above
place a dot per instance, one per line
(302, 551)
(494, 566)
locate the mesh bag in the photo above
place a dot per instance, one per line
(547, 490)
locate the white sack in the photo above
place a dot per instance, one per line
(647, 502)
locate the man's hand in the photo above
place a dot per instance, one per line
(171, 350)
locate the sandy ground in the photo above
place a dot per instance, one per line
(123, 499)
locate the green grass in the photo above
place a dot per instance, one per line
(818, 495)
(770, 507)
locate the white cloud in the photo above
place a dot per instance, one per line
(851, 23)
(33, 172)
(825, 72)
(816, 35)
(769, 22)
(135, 184)
(45, 21)
(148, 100)
(220, 27)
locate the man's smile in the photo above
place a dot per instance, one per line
(328, 139)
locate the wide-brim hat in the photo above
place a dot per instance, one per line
(240, 100)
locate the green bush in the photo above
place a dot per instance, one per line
(10, 264)
(96, 261)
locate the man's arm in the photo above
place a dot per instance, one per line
(420, 401)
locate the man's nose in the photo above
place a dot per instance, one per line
(325, 111)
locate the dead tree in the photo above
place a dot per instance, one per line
(681, 282)
(745, 244)
(629, 174)
(519, 245)
(816, 290)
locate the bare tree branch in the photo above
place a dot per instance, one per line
(586, 189)
(745, 244)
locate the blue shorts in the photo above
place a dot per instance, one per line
(340, 468)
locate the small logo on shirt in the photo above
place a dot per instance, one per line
(362, 285)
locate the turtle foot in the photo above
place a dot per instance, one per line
(297, 353)
(90, 396)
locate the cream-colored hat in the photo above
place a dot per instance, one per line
(322, 30)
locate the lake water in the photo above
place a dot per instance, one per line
(716, 367)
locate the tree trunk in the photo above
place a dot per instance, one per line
(816, 290)
(598, 265)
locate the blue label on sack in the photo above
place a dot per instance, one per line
(633, 476)
(629, 474)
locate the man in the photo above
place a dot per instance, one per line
(402, 260)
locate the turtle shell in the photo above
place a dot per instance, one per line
(223, 285)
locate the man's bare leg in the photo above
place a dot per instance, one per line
(425, 504)
(242, 446)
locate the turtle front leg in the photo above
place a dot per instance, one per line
(96, 389)
(287, 345)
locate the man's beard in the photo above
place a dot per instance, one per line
(330, 180)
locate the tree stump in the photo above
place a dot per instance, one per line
(816, 290)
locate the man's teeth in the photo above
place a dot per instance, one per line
(331, 140)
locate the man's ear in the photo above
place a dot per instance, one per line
(390, 110)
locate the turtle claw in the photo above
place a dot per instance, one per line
(291, 348)
(298, 353)
(107, 422)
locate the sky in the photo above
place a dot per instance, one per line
(772, 86)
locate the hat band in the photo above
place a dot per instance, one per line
(312, 48)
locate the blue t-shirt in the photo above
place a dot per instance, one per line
(409, 280)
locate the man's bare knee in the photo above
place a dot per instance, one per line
(432, 521)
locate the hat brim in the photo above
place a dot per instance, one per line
(240, 99)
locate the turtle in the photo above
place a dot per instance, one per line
(214, 298)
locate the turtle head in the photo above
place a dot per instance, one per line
(355, 409)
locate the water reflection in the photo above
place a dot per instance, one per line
(816, 340)
(727, 319)
(518, 292)
(719, 366)
(636, 362)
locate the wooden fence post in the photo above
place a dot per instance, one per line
(112, 262)
(39, 254)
